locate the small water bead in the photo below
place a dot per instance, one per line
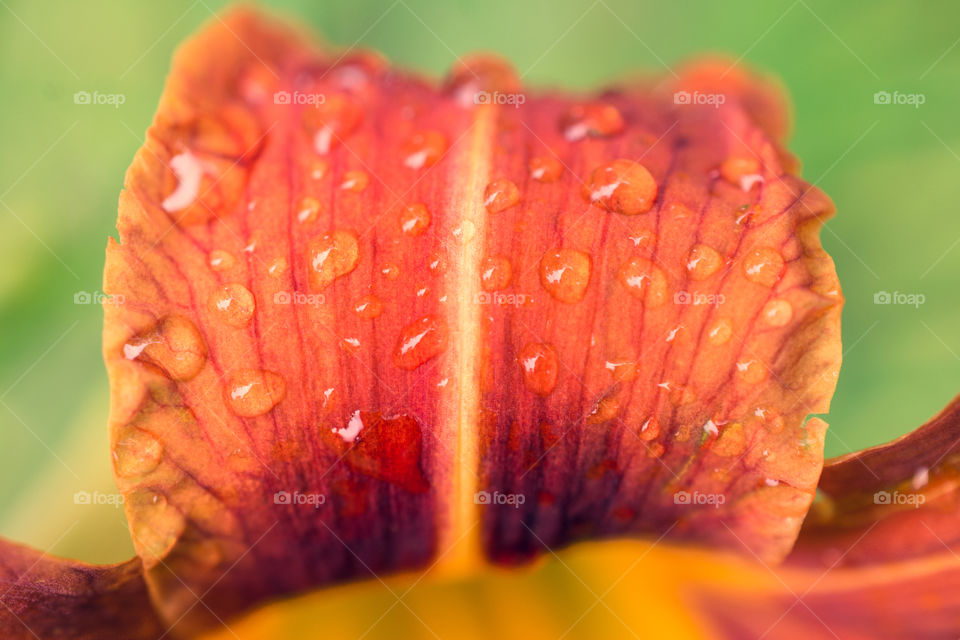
(253, 392)
(390, 271)
(495, 273)
(332, 121)
(645, 281)
(777, 313)
(474, 75)
(438, 263)
(540, 367)
(189, 171)
(155, 524)
(278, 266)
(355, 181)
(414, 219)
(500, 194)
(173, 345)
(594, 119)
(308, 210)
(732, 441)
(545, 169)
(331, 256)
(743, 171)
(606, 409)
(136, 452)
(719, 332)
(423, 149)
(368, 307)
(649, 430)
(565, 274)
(232, 304)
(703, 262)
(465, 232)
(420, 341)
(751, 371)
(318, 169)
(220, 260)
(623, 370)
(656, 450)
(622, 186)
(763, 265)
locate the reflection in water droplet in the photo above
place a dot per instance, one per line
(645, 281)
(232, 304)
(414, 219)
(565, 274)
(500, 194)
(368, 307)
(136, 452)
(173, 345)
(189, 172)
(703, 262)
(331, 256)
(495, 273)
(621, 186)
(253, 392)
(423, 149)
(763, 265)
(540, 367)
(420, 341)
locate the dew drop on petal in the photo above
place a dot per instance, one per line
(253, 392)
(220, 260)
(500, 194)
(495, 273)
(763, 265)
(278, 266)
(703, 262)
(232, 304)
(155, 524)
(189, 172)
(545, 169)
(565, 274)
(719, 332)
(540, 367)
(414, 219)
(437, 264)
(644, 280)
(331, 256)
(420, 341)
(777, 313)
(136, 452)
(390, 271)
(741, 170)
(173, 345)
(308, 210)
(622, 186)
(423, 149)
(368, 307)
(355, 181)
(751, 371)
(594, 119)
(477, 74)
(649, 430)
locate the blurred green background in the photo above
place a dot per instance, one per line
(891, 169)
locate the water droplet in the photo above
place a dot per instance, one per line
(743, 171)
(414, 219)
(622, 186)
(136, 452)
(764, 266)
(308, 210)
(332, 121)
(623, 370)
(751, 371)
(545, 169)
(656, 450)
(368, 307)
(565, 274)
(318, 169)
(777, 313)
(423, 149)
(155, 524)
(495, 273)
(232, 304)
(649, 430)
(500, 194)
(703, 262)
(220, 260)
(732, 441)
(645, 281)
(606, 408)
(173, 345)
(278, 267)
(355, 181)
(476, 74)
(253, 392)
(385, 447)
(331, 256)
(420, 341)
(437, 264)
(189, 171)
(465, 233)
(594, 119)
(390, 271)
(540, 367)
(719, 332)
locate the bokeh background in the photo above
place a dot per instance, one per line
(892, 170)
